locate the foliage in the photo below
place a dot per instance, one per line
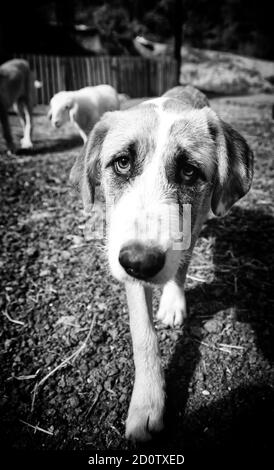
(239, 26)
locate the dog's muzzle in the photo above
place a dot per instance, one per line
(141, 261)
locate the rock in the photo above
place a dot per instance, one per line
(211, 326)
(73, 402)
(222, 72)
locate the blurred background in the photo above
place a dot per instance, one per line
(110, 27)
(221, 47)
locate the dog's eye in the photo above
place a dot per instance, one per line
(122, 165)
(189, 172)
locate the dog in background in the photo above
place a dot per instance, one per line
(83, 107)
(175, 152)
(17, 89)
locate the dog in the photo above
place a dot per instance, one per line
(83, 107)
(170, 152)
(17, 89)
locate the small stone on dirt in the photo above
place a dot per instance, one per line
(212, 326)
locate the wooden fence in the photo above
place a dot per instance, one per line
(135, 76)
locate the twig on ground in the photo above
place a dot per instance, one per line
(231, 346)
(18, 322)
(36, 428)
(27, 377)
(221, 346)
(115, 430)
(72, 357)
(202, 266)
(224, 350)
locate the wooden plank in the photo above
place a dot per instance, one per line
(84, 72)
(89, 71)
(107, 62)
(101, 71)
(53, 75)
(87, 62)
(114, 72)
(98, 74)
(77, 77)
(47, 89)
(59, 74)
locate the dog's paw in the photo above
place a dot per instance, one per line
(172, 309)
(26, 144)
(172, 316)
(144, 421)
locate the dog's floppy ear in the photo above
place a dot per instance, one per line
(85, 172)
(234, 167)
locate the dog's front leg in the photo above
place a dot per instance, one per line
(172, 309)
(26, 119)
(146, 409)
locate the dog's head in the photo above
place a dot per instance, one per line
(163, 166)
(59, 108)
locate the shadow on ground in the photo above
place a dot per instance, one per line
(243, 418)
(240, 422)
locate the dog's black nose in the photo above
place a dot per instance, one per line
(141, 261)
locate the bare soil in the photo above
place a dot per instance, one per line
(54, 283)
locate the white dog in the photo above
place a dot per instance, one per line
(83, 107)
(163, 164)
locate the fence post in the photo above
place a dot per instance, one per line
(114, 68)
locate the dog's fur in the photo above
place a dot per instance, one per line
(17, 89)
(173, 150)
(83, 107)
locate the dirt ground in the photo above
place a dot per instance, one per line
(54, 284)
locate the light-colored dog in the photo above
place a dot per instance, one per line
(17, 89)
(83, 107)
(169, 157)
